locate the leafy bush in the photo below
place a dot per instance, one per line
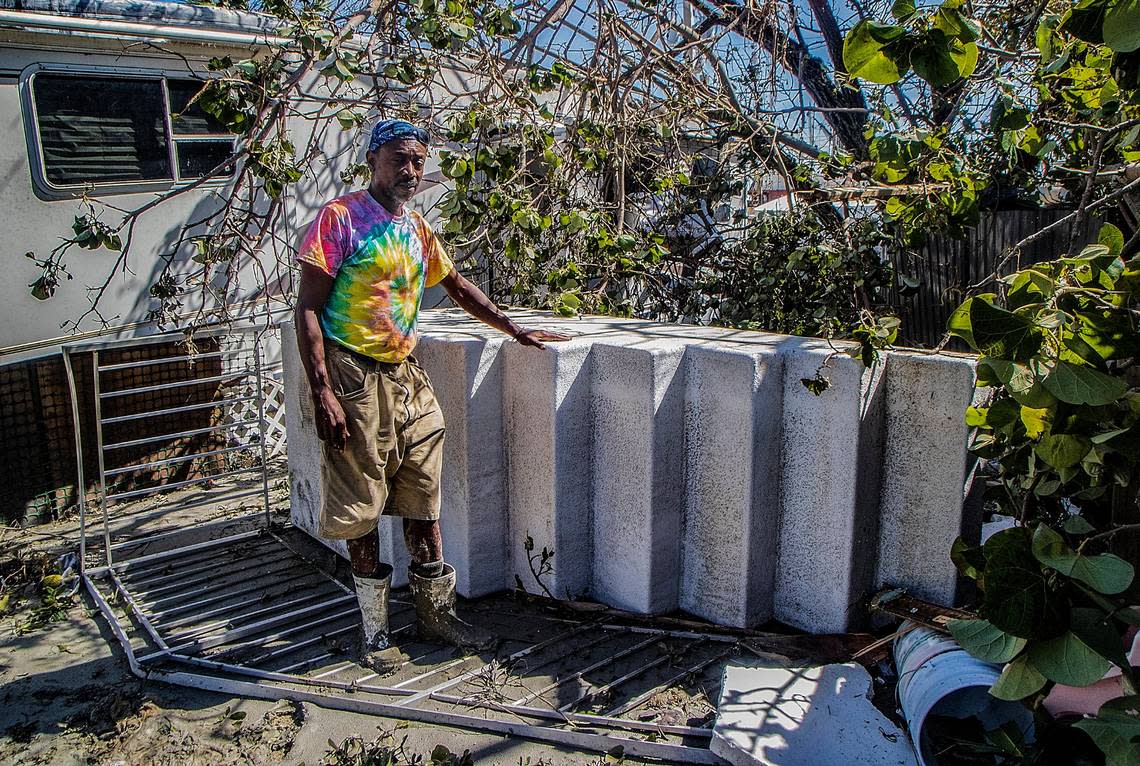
(1062, 423)
(796, 273)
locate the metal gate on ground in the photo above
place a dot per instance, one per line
(234, 600)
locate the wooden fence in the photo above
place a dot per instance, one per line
(945, 267)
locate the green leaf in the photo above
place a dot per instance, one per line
(1092, 252)
(1017, 681)
(969, 559)
(959, 323)
(1017, 597)
(1002, 334)
(1008, 738)
(1035, 421)
(951, 21)
(347, 118)
(1115, 741)
(965, 57)
(1077, 525)
(1111, 335)
(1085, 21)
(1062, 450)
(1077, 384)
(1077, 350)
(1112, 238)
(1068, 660)
(816, 385)
(1108, 436)
(1105, 573)
(902, 9)
(1020, 382)
(1027, 287)
(1098, 632)
(933, 63)
(1122, 26)
(982, 640)
(1123, 715)
(976, 416)
(863, 54)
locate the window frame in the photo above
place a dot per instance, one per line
(47, 190)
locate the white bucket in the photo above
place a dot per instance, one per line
(938, 677)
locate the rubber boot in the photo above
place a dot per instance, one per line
(436, 620)
(372, 595)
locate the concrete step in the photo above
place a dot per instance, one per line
(829, 488)
(547, 437)
(924, 470)
(733, 397)
(467, 374)
(306, 487)
(638, 481)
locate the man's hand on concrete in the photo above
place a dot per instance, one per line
(332, 427)
(535, 338)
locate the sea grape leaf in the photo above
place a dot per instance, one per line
(1122, 26)
(982, 640)
(1068, 660)
(1077, 384)
(863, 54)
(1002, 334)
(1017, 597)
(1062, 450)
(1105, 572)
(1017, 681)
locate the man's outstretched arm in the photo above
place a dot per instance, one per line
(472, 300)
(332, 427)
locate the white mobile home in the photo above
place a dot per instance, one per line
(95, 100)
(92, 96)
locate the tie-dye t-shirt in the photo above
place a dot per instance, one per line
(381, 264)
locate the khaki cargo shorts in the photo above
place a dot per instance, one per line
(394, 454)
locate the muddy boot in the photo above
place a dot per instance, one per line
(436, 619)
(372, 594)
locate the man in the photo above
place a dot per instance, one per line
(364, 265)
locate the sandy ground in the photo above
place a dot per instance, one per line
(68, 698)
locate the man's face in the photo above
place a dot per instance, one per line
(397, 168)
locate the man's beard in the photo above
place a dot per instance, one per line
(404, 191)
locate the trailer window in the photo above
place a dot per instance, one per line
(201, 143)
(95, 130)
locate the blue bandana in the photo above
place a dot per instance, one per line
(394, 130)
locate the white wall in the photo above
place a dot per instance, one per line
(685, 467)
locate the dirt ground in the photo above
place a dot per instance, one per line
(69, 699)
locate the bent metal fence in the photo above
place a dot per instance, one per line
(177, 435)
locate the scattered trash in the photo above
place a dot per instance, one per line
(805, 717)
(996, 524)
(944, 695)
